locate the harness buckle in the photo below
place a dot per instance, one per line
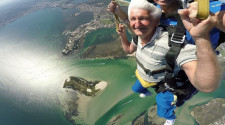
(147, 71)
(176, 38)
(169, 75)
(168, 87)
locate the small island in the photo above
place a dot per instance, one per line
(88, 88)
(75, 103)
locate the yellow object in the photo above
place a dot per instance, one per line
(144, 83)
(203, 9)
(116, 19)
(174, 100)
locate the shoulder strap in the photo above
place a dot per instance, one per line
(176, 42)
(148, 71)
(135, 39)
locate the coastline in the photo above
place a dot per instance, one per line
(101, 85)
(83, 102)
(34, 6)
(210, 113)
(75, 108)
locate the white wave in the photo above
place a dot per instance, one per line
(127, 102)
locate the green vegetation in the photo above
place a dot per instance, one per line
(81, 85)
(107, 21)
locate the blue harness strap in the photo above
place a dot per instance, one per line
(215, 6)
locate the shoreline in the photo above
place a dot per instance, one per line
(203, 113)
(76, 110)
(83, 100)
(101, 85)
(31, 7)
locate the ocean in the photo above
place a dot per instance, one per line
(33, 71)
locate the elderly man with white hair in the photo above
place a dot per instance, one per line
(198, 61)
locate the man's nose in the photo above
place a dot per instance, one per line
(137, 23)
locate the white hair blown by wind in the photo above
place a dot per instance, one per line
(155, 12)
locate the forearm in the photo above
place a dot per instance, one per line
(204, 73)
(207, 73)
(126, 44)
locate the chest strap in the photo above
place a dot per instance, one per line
(148, 71)
(176, 42)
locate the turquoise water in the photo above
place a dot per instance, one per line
(33, 72)
(99, 36)
(131, 107)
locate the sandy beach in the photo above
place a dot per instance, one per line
(101, 85)
(83, 101)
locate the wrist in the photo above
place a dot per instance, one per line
(201, 37)
(203, 44)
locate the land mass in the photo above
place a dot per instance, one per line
(22, 8)
(77, 100)
(88, 88)
(211, 113)
(75, 37)
(101, 19)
